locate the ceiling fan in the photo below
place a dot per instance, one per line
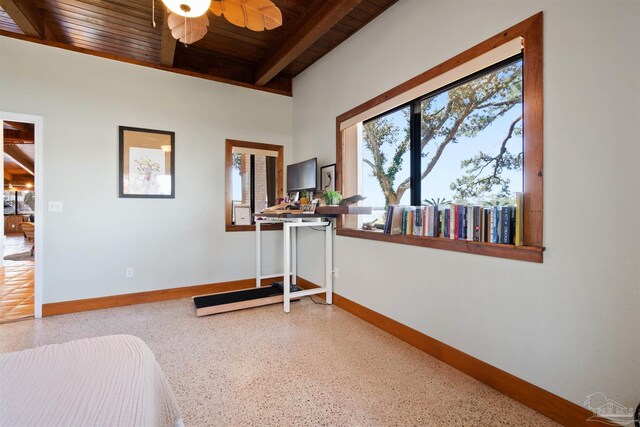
(188, 19)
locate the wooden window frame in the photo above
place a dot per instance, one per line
(531, 33)
(228, 164)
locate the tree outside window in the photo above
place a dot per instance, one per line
(470, 144)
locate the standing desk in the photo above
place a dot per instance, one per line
(291, 222)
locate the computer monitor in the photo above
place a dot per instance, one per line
(302, 175)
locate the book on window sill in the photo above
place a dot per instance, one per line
(485, 224)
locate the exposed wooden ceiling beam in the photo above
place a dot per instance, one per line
(24, 161)
(26, 16)
(25, 127)
(331, 12)
(17, 137)
(168, 43)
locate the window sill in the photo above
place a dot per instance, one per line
(521, 253)
(263, 227)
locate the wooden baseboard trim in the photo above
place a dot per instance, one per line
(536, 398)
(75, 306)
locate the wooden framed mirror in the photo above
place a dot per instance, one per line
(254, 181)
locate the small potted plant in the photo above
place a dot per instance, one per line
(332, 198)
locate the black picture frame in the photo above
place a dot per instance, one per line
(328, 178)
(154, 168)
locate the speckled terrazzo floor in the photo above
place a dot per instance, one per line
(318, 365)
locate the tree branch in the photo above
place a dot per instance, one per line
(367, 161)
(510, 103)
(450, 137)
(503, 146)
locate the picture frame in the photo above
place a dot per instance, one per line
(328, 178)
(242, 215)
(146, 163)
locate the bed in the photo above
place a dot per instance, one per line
(105, 381)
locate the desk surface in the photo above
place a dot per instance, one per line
(293, 215)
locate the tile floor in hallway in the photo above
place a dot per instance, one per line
(16, 282)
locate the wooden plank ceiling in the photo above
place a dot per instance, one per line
(122, 29)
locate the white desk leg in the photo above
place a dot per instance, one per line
(328, 275)
(286, 261)
(258, 273)
(294, 252)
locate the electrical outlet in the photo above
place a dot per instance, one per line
(55, 206)
(336, 272)
(129, 272)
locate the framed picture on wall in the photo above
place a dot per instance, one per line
(242, 215)
(328, 178)
(147, 163)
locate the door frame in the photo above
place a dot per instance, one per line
(37, 121)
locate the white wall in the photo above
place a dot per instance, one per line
(572, 324)
(169, 243)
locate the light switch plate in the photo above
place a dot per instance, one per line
(55, 206)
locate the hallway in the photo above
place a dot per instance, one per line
(16, 282)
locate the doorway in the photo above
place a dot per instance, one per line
(20, 295)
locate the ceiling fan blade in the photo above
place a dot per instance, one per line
(194, 30)
(256, 15)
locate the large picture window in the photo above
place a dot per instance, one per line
(465, 134)
(465, 142)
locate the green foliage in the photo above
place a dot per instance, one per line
(235, 160)
(332, 197)
(464, 111)
(499, 201)
(474, 185)
(437, 201)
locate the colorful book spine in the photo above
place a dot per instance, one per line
(396, 220)
(462, 223)
(407, 222)
(476, 223)
(519, 237)
(447, 225)
(417, 229)
(487, 224)
(387, 221)
(469, 213)
(512, 229)
(425, 221)
(506, 225)
(453, 221)
(499, 225)
(492, 224)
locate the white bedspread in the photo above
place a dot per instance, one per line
(104, 381)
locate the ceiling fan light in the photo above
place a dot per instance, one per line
(188, 8)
